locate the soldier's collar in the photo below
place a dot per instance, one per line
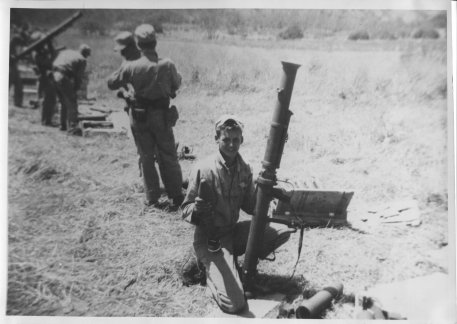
(221, 161)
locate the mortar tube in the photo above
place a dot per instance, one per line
(267, 177)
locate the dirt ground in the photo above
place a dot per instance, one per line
(81, 244)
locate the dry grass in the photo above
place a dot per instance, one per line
(371, 118)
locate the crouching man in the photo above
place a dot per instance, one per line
(219, 237)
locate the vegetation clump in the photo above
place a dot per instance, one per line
(291, 32)
(359, 35)
(426, 33)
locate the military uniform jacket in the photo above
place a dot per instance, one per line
(152, 78)
(233, 189)
(72, 64)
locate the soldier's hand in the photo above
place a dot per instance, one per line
(202, 207)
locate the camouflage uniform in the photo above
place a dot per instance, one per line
(234, 189)
(154, 81)
(69, 67)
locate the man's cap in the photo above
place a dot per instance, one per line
(85, 50)
(123, 39)
(225, 118)
(145, 33)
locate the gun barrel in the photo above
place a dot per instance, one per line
(50, 35)
(267, 178)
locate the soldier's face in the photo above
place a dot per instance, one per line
(229, 142)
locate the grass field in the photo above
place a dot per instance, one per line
(370, 117)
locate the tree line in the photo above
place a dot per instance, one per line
(240, 21)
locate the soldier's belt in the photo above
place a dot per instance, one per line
(161, 103)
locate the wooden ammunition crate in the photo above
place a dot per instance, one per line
(315, 207)
(30, 84)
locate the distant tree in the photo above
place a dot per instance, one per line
(292, 32)
(359, 35)
(426, 33)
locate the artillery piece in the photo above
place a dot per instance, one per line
(48, 37)
(26, 71)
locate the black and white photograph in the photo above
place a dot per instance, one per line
(193, 161)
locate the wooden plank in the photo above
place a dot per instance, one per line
(87, 132)
(96, 124)
(92, 117)
(30, 91)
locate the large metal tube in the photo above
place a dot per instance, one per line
(313, 307)
(267, 177)
(50, 35)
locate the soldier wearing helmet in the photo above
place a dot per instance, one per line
(154, 81)
(69, 67)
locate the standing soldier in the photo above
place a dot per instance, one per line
(43, 58)
(125, 45)
(154, 81)
(17, 41)
(69, 67)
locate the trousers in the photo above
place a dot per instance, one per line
(155, 142)
(16, 82)
(69, 106)
(48, 91)
(222, 276)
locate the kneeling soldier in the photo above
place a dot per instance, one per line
(219, 237)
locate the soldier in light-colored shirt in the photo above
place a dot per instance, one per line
(69, 67)
(231, 182)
